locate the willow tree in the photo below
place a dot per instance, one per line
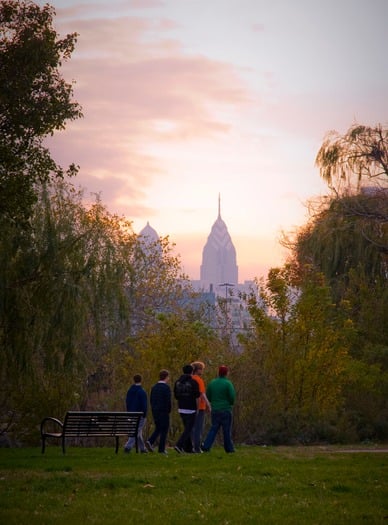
(35, 101)
(348, 232)
(359, 157)
(355, 167)
(346, 238)
(65, 304)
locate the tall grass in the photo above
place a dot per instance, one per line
(312, 485)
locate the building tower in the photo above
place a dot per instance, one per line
(149, 239)
(219, 256)
(148, 234)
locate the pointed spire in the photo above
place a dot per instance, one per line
(219, 205)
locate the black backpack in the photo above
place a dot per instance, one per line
(183, 388)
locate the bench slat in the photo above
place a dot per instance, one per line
(94, 424)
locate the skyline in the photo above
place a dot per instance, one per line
(184, 100)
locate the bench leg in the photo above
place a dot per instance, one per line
(117, 443)
(43, 444)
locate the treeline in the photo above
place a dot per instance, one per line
(85, 303)
(82, 302)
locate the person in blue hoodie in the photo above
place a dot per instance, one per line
(136, 401)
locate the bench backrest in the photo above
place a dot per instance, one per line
(78, 424)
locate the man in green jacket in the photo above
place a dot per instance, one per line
(221, 394)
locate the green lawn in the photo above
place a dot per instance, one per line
(284, 485)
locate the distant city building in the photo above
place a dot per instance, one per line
(149, 238)
(148, 234)
(218, 288)
(219, 266)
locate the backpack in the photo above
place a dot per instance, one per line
(183, 388)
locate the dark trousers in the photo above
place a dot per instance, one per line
(162, 424)
(198, 429)
(184, 442)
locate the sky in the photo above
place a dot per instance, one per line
(186, 100)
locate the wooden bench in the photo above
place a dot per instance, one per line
(91, 424)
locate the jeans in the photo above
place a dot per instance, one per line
(131, 441)
(162, 423)
(220, 418)
(198, 429)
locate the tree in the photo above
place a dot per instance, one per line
(350, 228)
(171, 340)
(349, 233)
(356, 158)
(294, 359)
(77, 292)
(346, 238)
(63, 302)
(34, 102)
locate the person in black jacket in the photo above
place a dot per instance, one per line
(186, 391)
(160, 401)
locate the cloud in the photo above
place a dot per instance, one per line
(180, 105)
(138, 89)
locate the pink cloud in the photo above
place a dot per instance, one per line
(138, 88)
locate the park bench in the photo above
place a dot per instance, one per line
(91, 424)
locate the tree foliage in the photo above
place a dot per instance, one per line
(34, 102)
(295, 358)
(73, 292)
(350, 233)
(358, 157)
(346, 238)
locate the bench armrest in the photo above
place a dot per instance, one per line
(44, 421)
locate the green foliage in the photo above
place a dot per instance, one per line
(349, 235)
(294, 359)
(34, 102)
(44, 282)
(169, 342)
(346, 239)
(85, 304)
(75, 288)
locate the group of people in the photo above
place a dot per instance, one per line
(193, 399)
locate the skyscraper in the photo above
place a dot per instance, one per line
(219, 256)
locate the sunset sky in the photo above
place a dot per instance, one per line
(184, 100)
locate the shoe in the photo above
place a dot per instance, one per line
(144, 451)
(179, 450)
(127, 450)
(149, 446)
(197, 451)
(203, 449)
(163, 452)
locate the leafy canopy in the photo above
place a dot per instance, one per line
(34, 102)
(358, 157)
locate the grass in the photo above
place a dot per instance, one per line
(283, 485)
